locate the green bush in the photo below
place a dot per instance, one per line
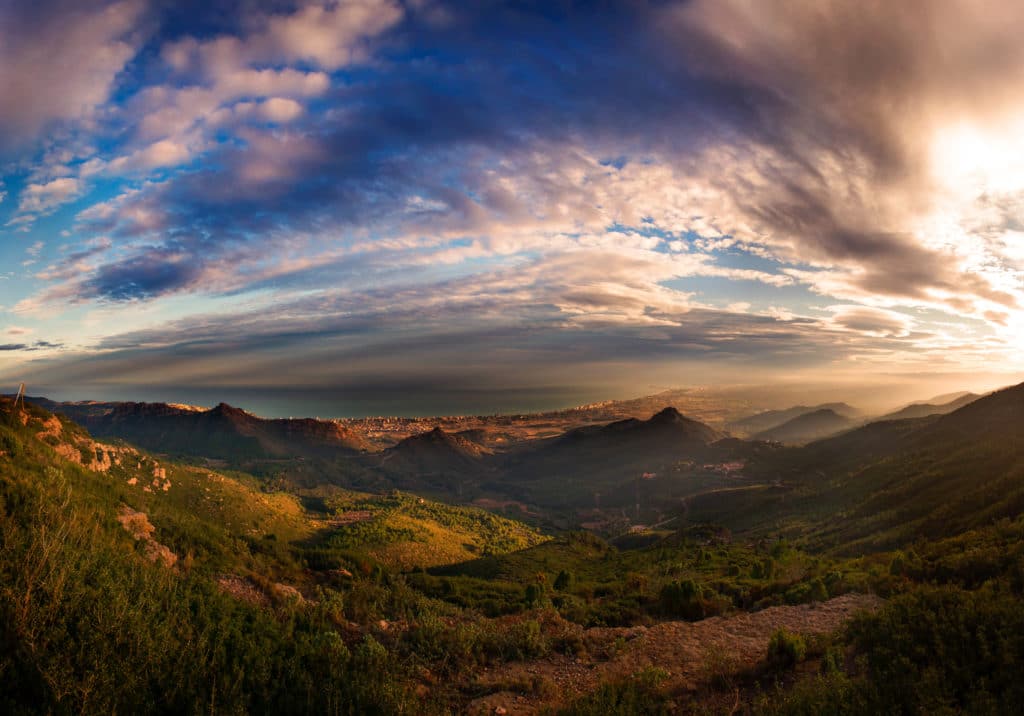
(786, 650)
(682, 599)
(636, 696)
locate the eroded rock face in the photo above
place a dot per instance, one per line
(137, 524)
(95, 456)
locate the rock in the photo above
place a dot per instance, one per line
(286, 591)
(137, 524)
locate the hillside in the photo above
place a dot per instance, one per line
(464, 467)
(117, 548)
(667, 433)
(112, 586)
(401, 532)
(889, 482)
(807, 427)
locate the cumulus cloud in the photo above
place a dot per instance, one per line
(164, 153)
(45, 197)
(326, 35)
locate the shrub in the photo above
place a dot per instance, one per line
(534, 595)
(683, 599)
(786, 650)
(638, 695)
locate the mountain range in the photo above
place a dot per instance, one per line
(638, 465)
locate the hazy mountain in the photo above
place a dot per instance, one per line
(934, 407)
(944, 398)
(807, 427)
(769, 419)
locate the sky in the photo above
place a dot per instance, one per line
(386, 206)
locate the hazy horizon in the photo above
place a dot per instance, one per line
(373, 401)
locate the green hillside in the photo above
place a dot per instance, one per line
(401, 531)
(692, 574)
(136, 585)
(93, 623)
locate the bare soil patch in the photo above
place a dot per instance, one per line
(689, 651)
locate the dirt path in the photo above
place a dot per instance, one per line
(688, 651)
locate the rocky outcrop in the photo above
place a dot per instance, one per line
(137, 524)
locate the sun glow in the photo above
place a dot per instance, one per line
(980, 158)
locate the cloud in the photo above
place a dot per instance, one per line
(45, 197)
(28, 347)
(871, 321)
(280, 60)
(803, 177)
(280, 109)
(498, 336)
(164, 153)
(325, 35)
(851, 114)
(59, 62)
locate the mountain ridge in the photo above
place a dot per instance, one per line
(222, 431)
